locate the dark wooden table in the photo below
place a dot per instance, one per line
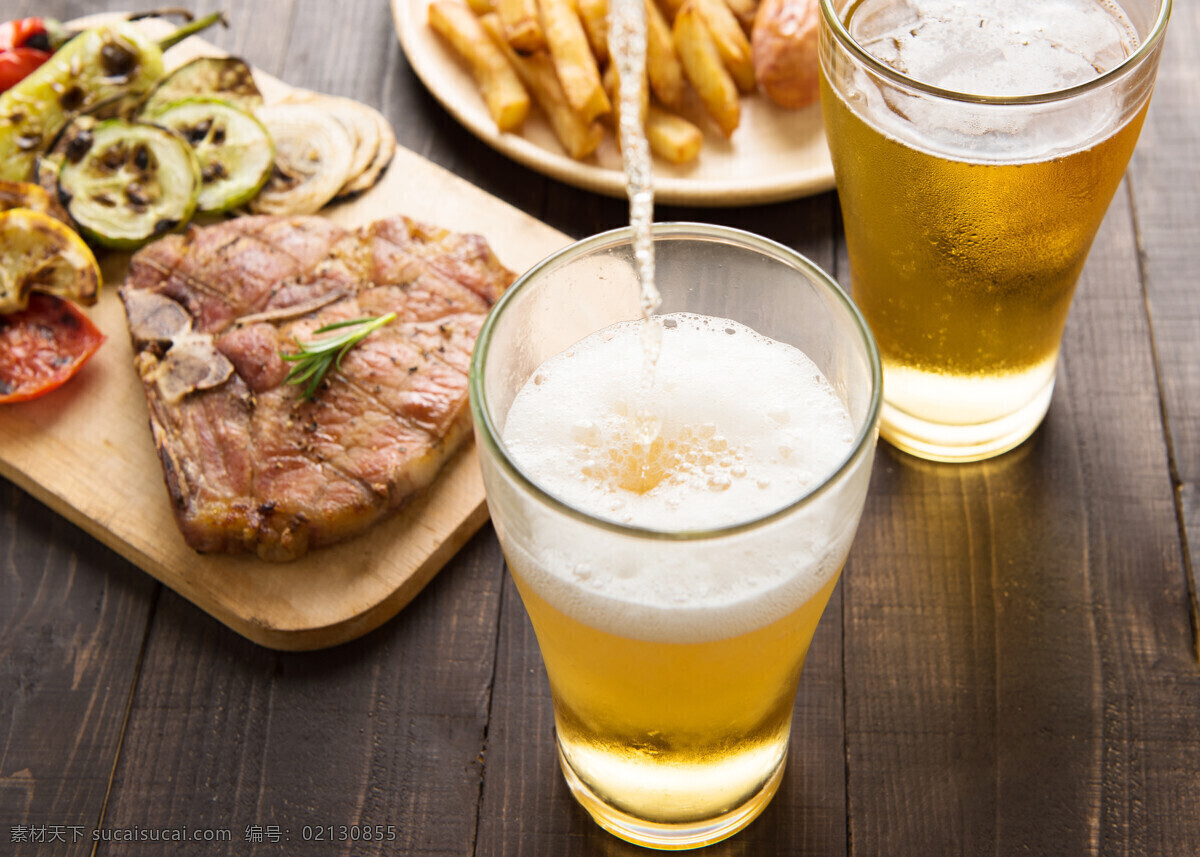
(1009, 666)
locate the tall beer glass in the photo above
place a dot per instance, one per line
(976, 146)
(674, 651)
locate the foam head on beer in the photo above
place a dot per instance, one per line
(996, 47)
(745, 426)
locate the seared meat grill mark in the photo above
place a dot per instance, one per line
(250, 466)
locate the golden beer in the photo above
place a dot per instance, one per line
(675, 535)
(968, 223)
(673, 732)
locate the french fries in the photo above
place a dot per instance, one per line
(672, 137)
(577, 71)
(732, 44)
(555, 53)
(594, 15)
(669, 135)
(702, 64)
(662, 63)
(521, 25)
(670, 8)
(505, 96)
(743, 10)
(578, 136)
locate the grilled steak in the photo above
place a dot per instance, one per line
(252, 466)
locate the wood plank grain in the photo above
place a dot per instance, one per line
(73, 618)
(1150, 681)
(1017, 647)
(1165, 180)
(387, 730)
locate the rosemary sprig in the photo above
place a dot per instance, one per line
(315, 358)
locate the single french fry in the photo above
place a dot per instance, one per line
(573, 60)
(672, 137)
(579, 137)
(731, 41)
(521, 25)
(501, 88)
(482, 7)
(662, 62)
(703, 66)
(594, 15)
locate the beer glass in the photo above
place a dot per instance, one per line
(976, 146)
(674, 655)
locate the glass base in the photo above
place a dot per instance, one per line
(669, 837)
(962, 442)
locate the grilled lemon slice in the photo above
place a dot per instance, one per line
(25, 195)
(131, 183)
(40, 254)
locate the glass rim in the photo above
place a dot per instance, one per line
(623, 235)
(1147, 47)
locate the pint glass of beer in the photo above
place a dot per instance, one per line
(976, 146)
(675, 509)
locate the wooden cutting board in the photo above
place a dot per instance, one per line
(86, 451)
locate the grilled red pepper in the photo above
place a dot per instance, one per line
(24, 33)
(16, 63)
(26, 43)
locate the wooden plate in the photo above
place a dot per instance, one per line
(774, 155)
(86, 451)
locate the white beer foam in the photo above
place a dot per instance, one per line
(998, 47)
(993, 48)
(760, 409)
(775, 430)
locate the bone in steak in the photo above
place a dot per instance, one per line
(250, 465)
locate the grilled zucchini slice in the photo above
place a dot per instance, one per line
(235, 151)
(130, 183)
(226, 78)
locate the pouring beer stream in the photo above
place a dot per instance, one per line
(627, 46)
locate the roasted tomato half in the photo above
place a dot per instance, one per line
(42, 346)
